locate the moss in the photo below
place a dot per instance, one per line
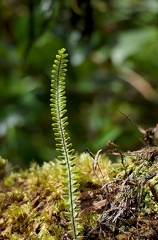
(123, 201)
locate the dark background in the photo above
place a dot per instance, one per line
(113, 64)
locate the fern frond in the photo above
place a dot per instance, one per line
(63, 145)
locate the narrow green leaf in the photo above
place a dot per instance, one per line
(63, 145)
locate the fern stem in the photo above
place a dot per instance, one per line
(58, 110)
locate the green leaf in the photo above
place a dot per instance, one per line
(63, 145)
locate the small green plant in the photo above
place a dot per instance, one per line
(63, 145)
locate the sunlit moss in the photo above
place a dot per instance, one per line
(32, 205)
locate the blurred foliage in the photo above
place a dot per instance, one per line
(113, 65)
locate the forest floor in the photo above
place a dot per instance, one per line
(123, 207)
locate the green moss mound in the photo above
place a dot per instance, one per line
(118, 201)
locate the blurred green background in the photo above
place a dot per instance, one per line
(113, 64)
